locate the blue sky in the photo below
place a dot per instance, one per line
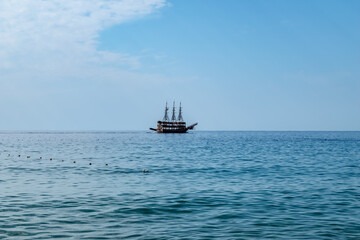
(235, 65)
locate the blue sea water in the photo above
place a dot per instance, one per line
(200, 185)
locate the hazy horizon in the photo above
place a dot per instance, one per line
(149, 131)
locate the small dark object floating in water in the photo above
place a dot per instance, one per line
(175, 125)
(145, 171)
(9, 155)
(19, 155)
(50, 159)
(106, 164)
(27, 156)
(40, 157)
(90, 164)
(74, 162)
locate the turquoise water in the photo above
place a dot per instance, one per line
(200, 185)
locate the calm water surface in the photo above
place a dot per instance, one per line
(200, 185)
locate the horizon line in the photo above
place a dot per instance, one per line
(219, 130)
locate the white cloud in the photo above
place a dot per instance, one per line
(39, 38)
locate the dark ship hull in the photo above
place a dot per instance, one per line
(175, 131)
(170, 130)
(173, 126)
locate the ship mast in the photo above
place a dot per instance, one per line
(173, 118)
(180, 118)
(166, 118)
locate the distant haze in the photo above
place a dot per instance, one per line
(234, 65)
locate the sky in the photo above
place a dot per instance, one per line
(235, 65)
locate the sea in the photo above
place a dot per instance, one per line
(199, 185)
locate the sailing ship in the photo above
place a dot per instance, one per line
(175, 125)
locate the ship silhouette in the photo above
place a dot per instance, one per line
(175, 125)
